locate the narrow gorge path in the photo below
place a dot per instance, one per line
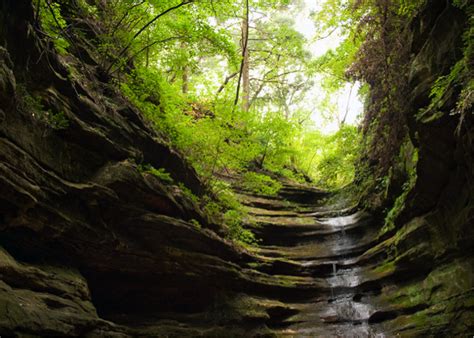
(319, 247)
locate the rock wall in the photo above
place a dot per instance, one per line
(84, 235)
(430, 253)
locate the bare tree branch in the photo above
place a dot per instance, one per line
(152, 44)
(117, 25)
(125, 49)
(226, 81)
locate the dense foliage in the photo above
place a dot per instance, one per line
(378, 51)
(182, 62)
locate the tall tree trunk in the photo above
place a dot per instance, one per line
(245, 65)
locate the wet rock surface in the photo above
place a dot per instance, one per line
(357, 281)
(326, 283)
(325, 249)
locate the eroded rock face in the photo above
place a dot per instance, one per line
(84, 234)
(45, 300)
(430, 250)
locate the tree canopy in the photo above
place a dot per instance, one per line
(235, 85)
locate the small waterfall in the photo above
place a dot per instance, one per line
(334, 272)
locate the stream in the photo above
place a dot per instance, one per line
(326, 242)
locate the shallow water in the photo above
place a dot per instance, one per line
(341, 311)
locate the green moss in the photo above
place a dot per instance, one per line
(254, 265)
(385, 268)
(400, 201)
(439, 288)
(241, 307)
(196, 223)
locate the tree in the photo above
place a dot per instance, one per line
(244, 66)
(177, 51)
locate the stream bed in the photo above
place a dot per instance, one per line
(327, 248)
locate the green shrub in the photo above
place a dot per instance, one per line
(260, 183)
(233, 219)
(53, 24)
(32, 105)
(57, 120)
(160, 173)
(188, 193)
